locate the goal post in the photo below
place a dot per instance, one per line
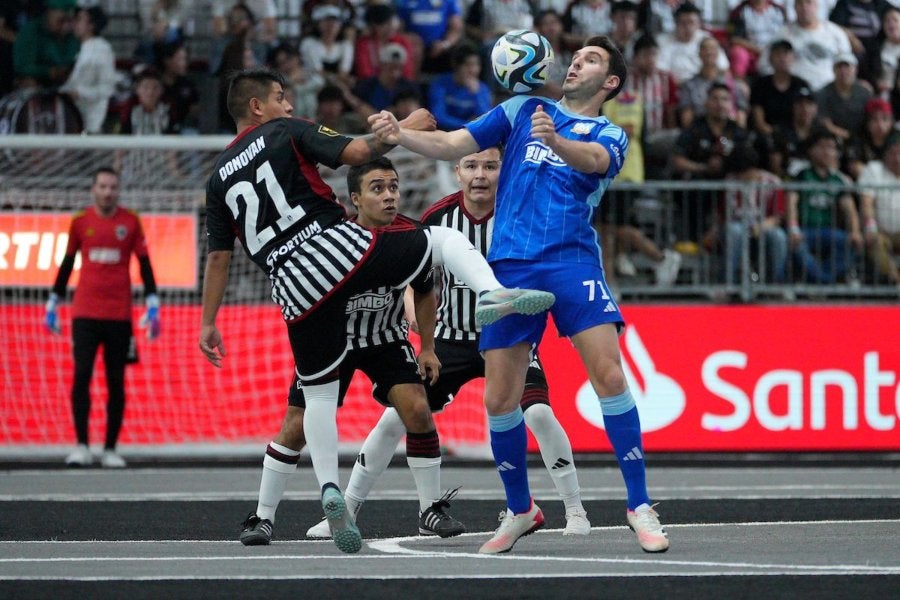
(177, 403)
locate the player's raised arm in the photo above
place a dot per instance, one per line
(441, 145)
(587, 157)
(369, 147)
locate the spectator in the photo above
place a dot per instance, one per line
(382, 28)
(405, 103)
(349, 15)
(842, 102)
(262, 12)
(238, 54)
(457, 97)
(888, 51)
(679, 51)
(788, 155)
(45, 47)
(326, 53)
(624, 32)
(146, 113)
(436, 26)
(377, 93)
(162, 22)
(11, 16)
(584, 18)
(753, 216)
(659, 93)
(487, 20)
(657, 16)
(700, 153)
(861, 21)
(771, 96)
(822, 251)
(881, 209)
(549, 24)
(93, 79)
(871, 143)
(304, 85)
(331, 111)
(816, 45)
(106, 235)
(179, 92)
(240, 33)
(752, 26)
(692, 93)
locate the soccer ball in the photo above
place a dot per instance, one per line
(521, 60)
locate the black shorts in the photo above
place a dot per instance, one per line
(319, 338)
(386, 365)
(461, 362)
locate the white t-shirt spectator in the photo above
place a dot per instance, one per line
(93, 81)
(887, 201)
(814, 52)
(317, 57)
(681, 59)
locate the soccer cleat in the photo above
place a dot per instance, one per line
(344, 531)
(577, 523)
(256, 531)
(512, 527)
(320, 530)
(496, 304)
(80, 457)
(624, 266)
(644, 521)
(434, 521)
(667, 269)
(110, 460)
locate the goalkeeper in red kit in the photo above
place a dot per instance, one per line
(106, 235)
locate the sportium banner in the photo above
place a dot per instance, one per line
(32, 246)
(745, 379)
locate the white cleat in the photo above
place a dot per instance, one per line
(644, 521)
(512, 527)
(320, 530)
(577, 523)
(496, 304)
(110, 460)
(80, 457)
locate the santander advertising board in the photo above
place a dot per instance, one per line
(745, 379)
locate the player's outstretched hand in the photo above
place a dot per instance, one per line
(420, 119)
(429, 366)
(150, 318)
(385, 127)
(211, 344)
(542, 127)
(51, 318)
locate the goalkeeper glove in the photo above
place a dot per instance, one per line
(51, 319)
(150, 320)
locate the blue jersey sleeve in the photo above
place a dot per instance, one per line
(613, 138)
(493, 127)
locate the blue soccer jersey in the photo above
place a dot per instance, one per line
(545, 208)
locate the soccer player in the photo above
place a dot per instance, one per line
(559, 159)
(471, 211)
(379, 347)
(107, 235)
(265, 191)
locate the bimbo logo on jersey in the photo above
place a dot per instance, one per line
(369, 302)
(536, 152)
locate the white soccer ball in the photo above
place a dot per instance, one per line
(521, 60)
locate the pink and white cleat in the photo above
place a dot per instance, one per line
(644, 521)
(512, 527)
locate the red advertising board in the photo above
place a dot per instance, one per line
(32, 246)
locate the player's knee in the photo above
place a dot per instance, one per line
(610, 380)
(538, 416)
(416, 417)
(291, 434)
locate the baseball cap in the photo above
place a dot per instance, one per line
(392, 53)
(878, 105)
(804, 93)
(781, 44)
(326, 11)
(845, 57)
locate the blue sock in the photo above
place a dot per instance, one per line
(509, 441)
(623, 428)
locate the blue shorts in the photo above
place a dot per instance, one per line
(582, 301)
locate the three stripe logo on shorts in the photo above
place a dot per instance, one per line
(634, 454)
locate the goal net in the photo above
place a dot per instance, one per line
(176, 401)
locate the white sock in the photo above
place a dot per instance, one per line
(275, 475)
(556, 450)
(451, 249)
(374, 457)
(427, 475)
(320, 429)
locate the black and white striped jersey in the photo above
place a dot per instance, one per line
(456, 308)
(266, 191)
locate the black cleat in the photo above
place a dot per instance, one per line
(256, 531)
(434, 521)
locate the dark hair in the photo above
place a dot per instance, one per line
(645, 41)
(783, 45)
(409, 94)
(282, 48)
(461, 52)
(741, 158)
(148, 73)
(104, 169)
(686, 9)
(329, 93)
(247, 84)
(718, 85)
(97, 18)
(623, 6)
(356, 172)
(817, 135)
(541, 14)
(377, 14)
(617, 64)
(165, 51)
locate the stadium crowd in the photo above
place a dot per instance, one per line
(752, 91)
